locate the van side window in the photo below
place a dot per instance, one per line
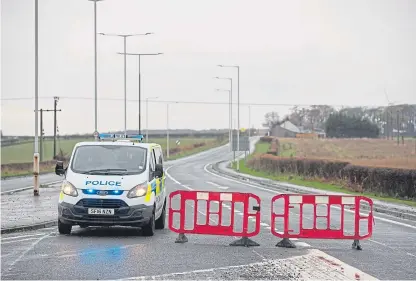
(158, 156)
(152, 164)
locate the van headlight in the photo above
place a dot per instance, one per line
(69, 189)
(138, 191)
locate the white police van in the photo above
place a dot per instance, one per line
(117, 180)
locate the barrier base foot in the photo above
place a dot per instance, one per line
(244, 241)
(181, 238)
(286, 243)
(36, 192)
(357, 245)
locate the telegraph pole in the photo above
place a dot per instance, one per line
(398, 127)
(55, 103)
(41, 129)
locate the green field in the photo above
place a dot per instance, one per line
(16, 159)
(23, 153)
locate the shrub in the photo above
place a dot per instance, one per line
(274, 145)
(267, 139)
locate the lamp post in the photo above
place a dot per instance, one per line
(125, 69)
(231, 108)
(139, 55)
(95, 71)
(36, 148)
(147, 117)
(229, 114)
(238, 108)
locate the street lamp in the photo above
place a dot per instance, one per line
(36, 148)
(229, 113)
(139, 55)
(238, 108)
(231, 108)
(95, 70)
(125, 68)
(147, 116)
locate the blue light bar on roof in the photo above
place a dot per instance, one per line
(138, 137)
(120, 136)
(106, 136)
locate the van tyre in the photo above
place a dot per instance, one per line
(149, 228)
(160, 222)
(64, 228)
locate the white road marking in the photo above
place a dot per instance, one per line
(393, 249)
(19, 258)
(300, 244)
(18, 241)
(263, 224)
(315, 265)
(276, 192)
(21, 236)
(217, 185)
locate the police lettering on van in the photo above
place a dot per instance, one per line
(117, 180)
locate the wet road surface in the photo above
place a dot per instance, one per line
(120, 253)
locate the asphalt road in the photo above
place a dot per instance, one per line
(11, 184)
(120, 253)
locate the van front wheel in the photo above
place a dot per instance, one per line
(64, 228)
(149, 228)
(160, 222)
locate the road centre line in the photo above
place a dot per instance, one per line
(276, 192)
(236, 211)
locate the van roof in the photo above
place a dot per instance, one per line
(118, 143)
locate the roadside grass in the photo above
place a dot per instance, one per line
(261, 148)
(208, 145)
(23, 153)
(7, 172)
(313, 183)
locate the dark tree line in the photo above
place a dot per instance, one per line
(388, 119)
(340, 125)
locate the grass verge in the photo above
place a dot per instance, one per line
(313, 183)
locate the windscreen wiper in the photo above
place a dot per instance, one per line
(106, 171)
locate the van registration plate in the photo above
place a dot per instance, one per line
(95, 211)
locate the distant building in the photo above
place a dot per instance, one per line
(285, 130)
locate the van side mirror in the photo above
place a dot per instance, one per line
(59, 168)
(159, 171)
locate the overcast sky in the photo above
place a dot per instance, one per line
(289, 52)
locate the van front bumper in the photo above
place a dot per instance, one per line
(137, 216)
